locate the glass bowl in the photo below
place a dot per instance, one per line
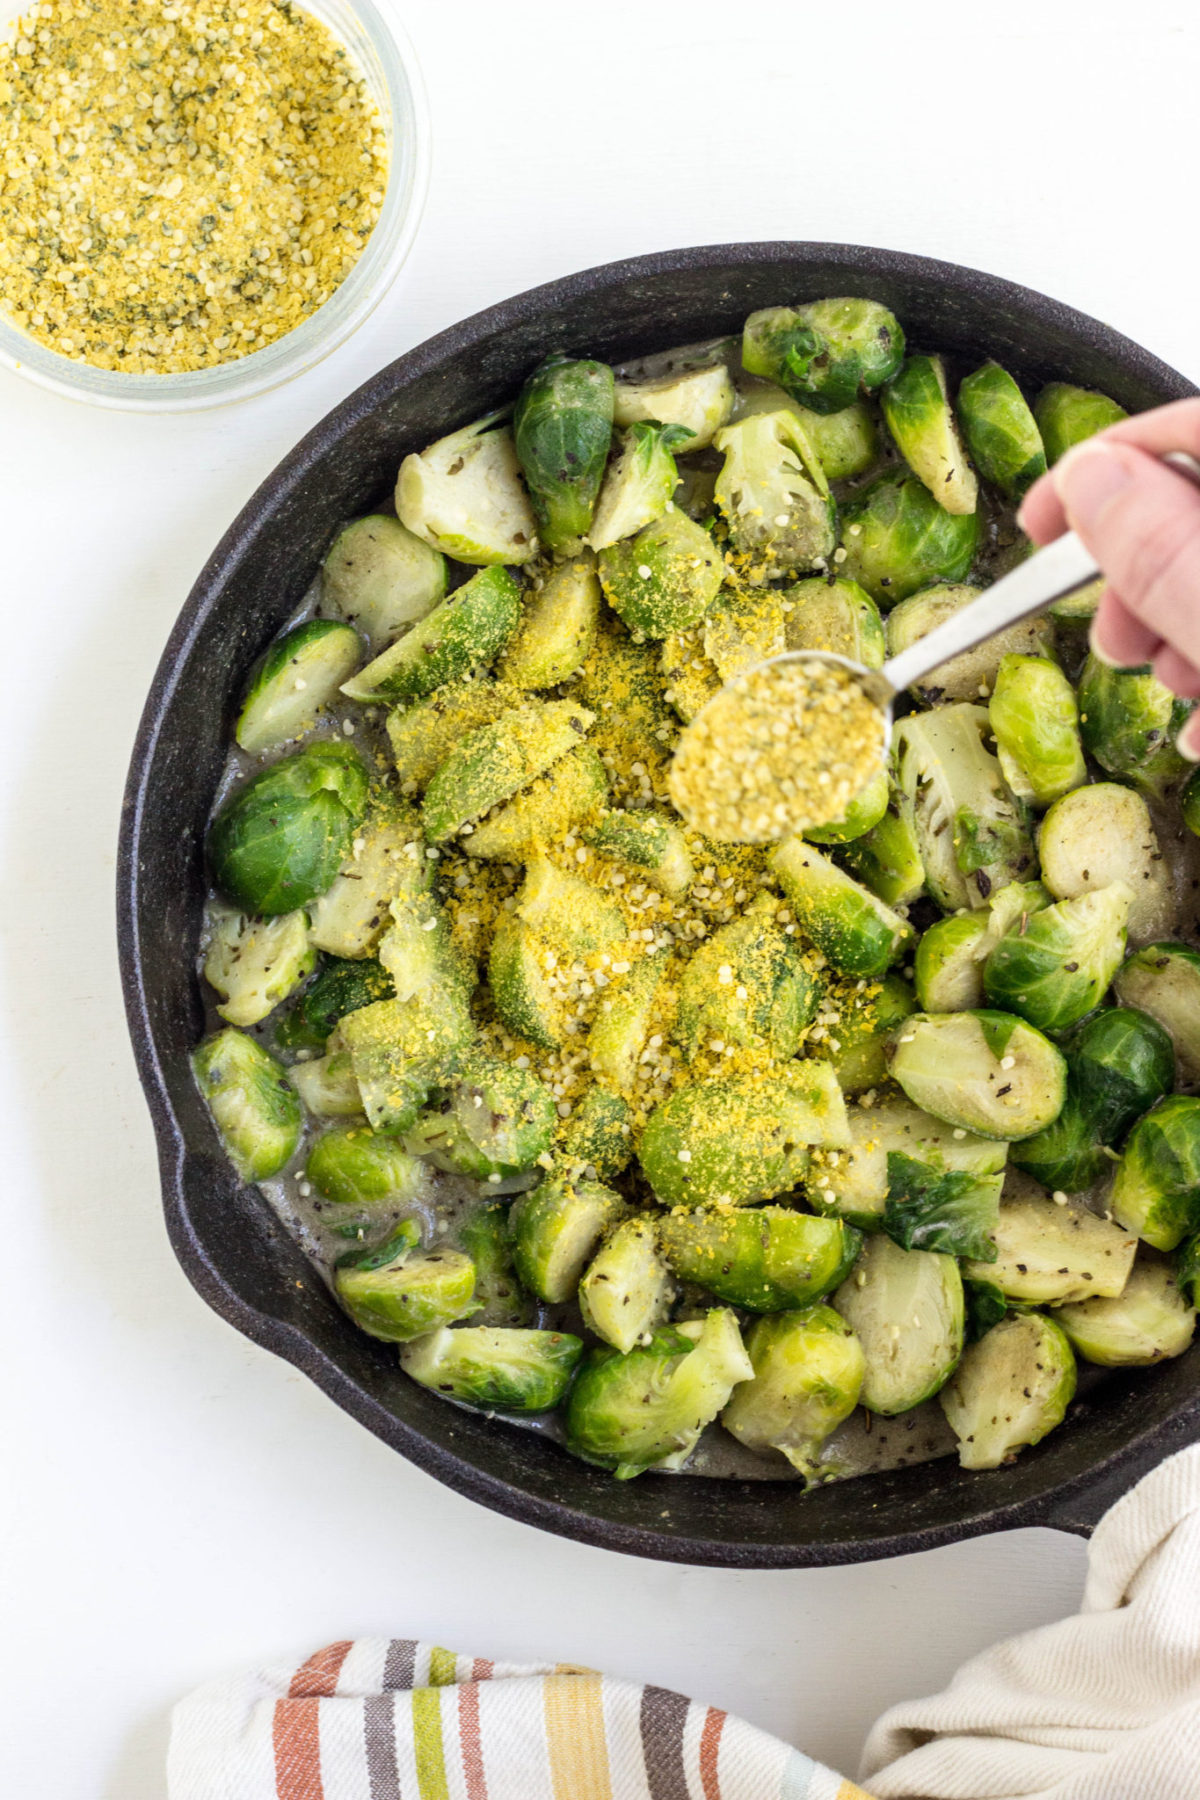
(393, 76)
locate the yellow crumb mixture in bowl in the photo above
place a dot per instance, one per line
(199, 198)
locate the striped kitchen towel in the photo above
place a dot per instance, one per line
(397, 1720)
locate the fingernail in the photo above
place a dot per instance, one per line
(1188, 741)
(1098, 651)
(1088, 477)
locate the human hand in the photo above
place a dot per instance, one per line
(1141, 521)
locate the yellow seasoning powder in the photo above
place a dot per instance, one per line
(783, 748)
(180, 184)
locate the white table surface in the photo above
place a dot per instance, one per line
(177, 1503)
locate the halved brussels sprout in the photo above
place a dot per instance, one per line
(898, 539)
(398, 1293)
(555, 1230)
(862, 815)
(1011, 1389)
(495, 1121)
(495, 762)
(646, 1410)
(747, 984)
(1067, 1155)
(742, 629)
(496, 1367)
(855, 1183)
(327, 1085)
(948, 965)
(1149, 1321)
(292, 685)
(646, 841)
(700, 400)
(1060, 966)
(905, 1307)
(463, 633)
(626, 1288)
(622, 1024)
(385, 863)
(1120, 1063)
(917, 411)
(418, 950)
(401, 1050)
(486, 1238)
(846, 441)
(255, 963)
(1067, 415)
(952, 1210)
(558, 625)
(858, 1044)
(682, 573)
(887, 859)
(379, 577)
(1129, 722)
(1156, 1189)
(280, 839)
(596, 1138)
(639, 484)
(339, 987)
(1036, 725)
(826, 353)
(422, 735)
(851, 927)
(774, 495)
(827, 613)
(573, 788)
(1103, 833)
(562, 427)
(464, 496)
(1164, 981)
(808, 1373)
(566, 910)
(765, 1258)
(520, 986)
(986, 1072)
(741, 1137)
(1000, 430)
(1045, 1253)
(972, 833)
(254, 1106)
(972, 675)
(354, 1166)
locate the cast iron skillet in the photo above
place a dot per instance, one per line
(230, 1244)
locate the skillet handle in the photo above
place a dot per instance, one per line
(1080, 1509)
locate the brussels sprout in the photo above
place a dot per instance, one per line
(1011, 1389)
(986, 1072)
(747, 984)
(626, 1289)
(856, 1186)
(596, 1138)
(464, 496)
(380, 578)
(986, 1306)
(808, 1374)
(685, 570)
(385, 863)
(1044, 1253)
(253, 1104)
(948, 965)
(954, 1211)
(1187, 1269)
(764, 1258)
(692, 680)
(1060, 967)
(647, 842)
(497, 1367)
(862, 815)
(573, 788)
(1149, 1321)
(1129, 722)
(639, 484)
(1103, 833)
(555, 1230)
(1036, 725)
(293, 684)
(846, 442)
(622, 1024)
(486, 1238)
(327, 1085)
(742, 629)
(1080, 604)
(774, 495)
(354, 1167)
(397, 1293)
(422, 735)
(558, 625)
(1067, 1156)
(280, 839)
(971, 675)
(495, 1122)
(898, 539)
(493, 763)
(464, 632)
(521, 991)
(1156, 1189)
(700, 400)
(853, 929)
(826, 353)
(863, 1031)
(401, 1050)
(340, 987)
(905, 1307)
(1164, 981)
(255, 963)
(887, 859)
(562, 427)
(418, 951)
(916, 409)
(971, 832)
(1000, 430)
(646, 1410)
(827, 613)
(741, 1137)
(1067, 415)
(568, 911)
(1121, 1062)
